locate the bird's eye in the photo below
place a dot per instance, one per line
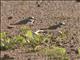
(62, 23)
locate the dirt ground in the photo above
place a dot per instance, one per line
(46, 13)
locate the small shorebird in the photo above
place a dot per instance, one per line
(54, 26)
(50, 29)
(28, 21)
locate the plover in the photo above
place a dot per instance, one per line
(29, 21)
(54, 26)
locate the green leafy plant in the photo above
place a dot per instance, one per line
(57, 53)
(3, 35)
(32, 39)
(26, 38)
(5, 41)
(20, 40)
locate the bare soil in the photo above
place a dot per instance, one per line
(46, 13)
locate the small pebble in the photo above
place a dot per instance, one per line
(6, 56)
(38, 5)
(78, 0)
(9, 27)
(10, 17)
(29, 59)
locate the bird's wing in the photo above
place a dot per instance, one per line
(51, 27)
(25, 21)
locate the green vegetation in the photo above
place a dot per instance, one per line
(25, 38)
(41, 43)
(5, 41)
(28, 38)
(57, 53)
